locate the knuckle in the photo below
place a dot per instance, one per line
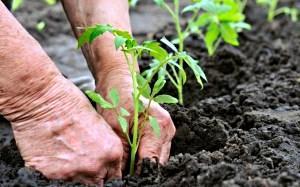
(115, 152)
(167, 125)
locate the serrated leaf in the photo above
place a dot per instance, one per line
(229, 34)
(159, 84)
(97, 98)
(198, 72)
(155, 50)
(124, 112)
(169, 44)
(211, 36)
(91, 33)
(124, 34)
(114, 97)
(165, 99)
(123, 124)
(143, 86)
(98, 31)
(119, 41)
(155, 126)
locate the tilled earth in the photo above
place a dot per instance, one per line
(243, 129)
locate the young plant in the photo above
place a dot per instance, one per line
(273, 11)
(141, 86)
(214, 21)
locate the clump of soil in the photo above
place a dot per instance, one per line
(243, 129)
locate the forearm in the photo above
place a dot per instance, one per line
(21, 57)
(101, 55)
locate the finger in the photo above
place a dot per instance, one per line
(115, 171)
(150, 145)
(165, 153)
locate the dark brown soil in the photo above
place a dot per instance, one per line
(243, 129)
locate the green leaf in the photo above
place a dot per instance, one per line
(229, 34)
(124, 34)
(203, 19)
(165, 99)
(159, 84)
(241, 25)
(211, 36)
(192, 7)
(155, 50)
(169, 44)
(198, 72)
(50, 2)
(16, 4)
(143, 86)
(91, 33)
(40, 26)
(124, 112)
(123, 124)
(133, 2)
(212, 7)
(97, 98)
(159, 2)
(85, 36)
(114, 96)
(119, 41)
(98, 31)
(155, 126)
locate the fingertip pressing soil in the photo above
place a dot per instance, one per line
(242, 129)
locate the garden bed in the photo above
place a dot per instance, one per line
(242, 129)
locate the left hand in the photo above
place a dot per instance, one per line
(151, 146)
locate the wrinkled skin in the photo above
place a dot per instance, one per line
(151, 146)
(56, 129)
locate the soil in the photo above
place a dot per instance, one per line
(242, 129)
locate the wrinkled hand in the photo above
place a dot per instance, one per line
(65, 138)
(151, 146)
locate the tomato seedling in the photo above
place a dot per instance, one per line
(141, 85)
(212, 20)
(273, 10)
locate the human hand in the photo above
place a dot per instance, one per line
(151, 146)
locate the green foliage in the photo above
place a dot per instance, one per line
(273, 10)
(40, 26)
(141, 82)
(16, 4)
(216, 21)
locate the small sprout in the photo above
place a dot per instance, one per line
(16, 4)
(40, 26)
(273, 10)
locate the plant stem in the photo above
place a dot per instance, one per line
(181, 40)
(135, 117)
(272, 9)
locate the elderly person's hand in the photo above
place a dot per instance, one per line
(151, 146)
